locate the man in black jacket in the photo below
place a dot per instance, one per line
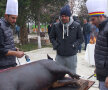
(75, 18)
(97, 13)
(66, 36)
(49, 28)
(8, 52)
(86, 32)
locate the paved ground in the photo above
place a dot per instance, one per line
(83, 69)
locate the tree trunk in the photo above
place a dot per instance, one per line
(28, 28)
(23, 35)
(35, 25)
(38, 33)
(46, 27)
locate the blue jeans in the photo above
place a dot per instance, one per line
(79, 48)
(102, 85)
(87, 39)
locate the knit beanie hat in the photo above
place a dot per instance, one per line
(65, 11)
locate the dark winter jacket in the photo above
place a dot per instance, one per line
(49, 29)
(6, 44)
(101, 52)
(66, 46)
(86, 29)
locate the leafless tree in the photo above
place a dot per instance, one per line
(83, 10)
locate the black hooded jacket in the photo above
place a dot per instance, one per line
(68, 45)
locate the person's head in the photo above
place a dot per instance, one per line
(11, 12)
(96, 10)
(96, 20)
(11, 19)
(57, 19)
(84, 21)
(65, 14)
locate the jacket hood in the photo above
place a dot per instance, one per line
(66, 27)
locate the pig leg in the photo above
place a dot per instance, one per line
(58, 69)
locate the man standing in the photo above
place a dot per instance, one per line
(66, 36)
(57, 20)
(75, 18)
(49, 28)
(51, 24)
(8, 52)
(86, 32)
(97, 9)
(17, 28)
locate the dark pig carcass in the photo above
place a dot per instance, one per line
(37, 75)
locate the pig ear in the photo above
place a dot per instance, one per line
(49, 57)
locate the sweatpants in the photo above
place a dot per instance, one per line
(68, 61)
(102, 86)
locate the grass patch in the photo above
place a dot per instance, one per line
(27, 47)
(30, 47)
(44, 46)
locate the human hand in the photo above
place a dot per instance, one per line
(106, 82)
(19, 54)
(95, 70)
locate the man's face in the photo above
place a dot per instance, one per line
(85, 21)
(65, 19)
(11, 19)
(57, 20)
(95, 20)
